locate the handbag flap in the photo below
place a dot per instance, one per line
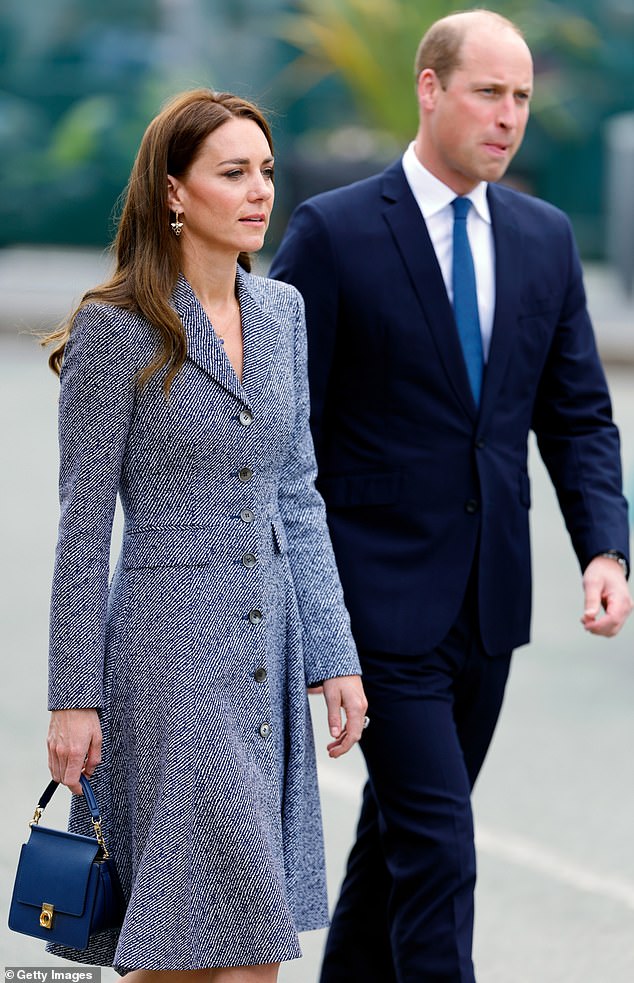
(54, 869)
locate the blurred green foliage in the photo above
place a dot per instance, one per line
(584, 62)
(371, 44)
(80, 79)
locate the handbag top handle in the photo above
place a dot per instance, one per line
(91, 802)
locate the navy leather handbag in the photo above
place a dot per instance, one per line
(66, 886)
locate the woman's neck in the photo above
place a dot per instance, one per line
(213, 280)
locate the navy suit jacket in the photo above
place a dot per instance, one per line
(420, 486)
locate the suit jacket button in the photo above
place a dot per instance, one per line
(245, 474)
(265, 730)
(255, 616)
(260, 674)
(246, 418)
(479, 443)
(249, 560)
(247, 515)
(471, 506)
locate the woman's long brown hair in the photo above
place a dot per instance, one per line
(146, 251)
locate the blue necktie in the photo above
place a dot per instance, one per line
(465, 297)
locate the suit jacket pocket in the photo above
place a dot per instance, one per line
(536, 306)
(348, 491)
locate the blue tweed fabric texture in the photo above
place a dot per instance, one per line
(224, 604)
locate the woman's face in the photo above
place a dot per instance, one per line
(227, 194)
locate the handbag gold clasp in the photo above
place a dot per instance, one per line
(46, 915)
(100, 840)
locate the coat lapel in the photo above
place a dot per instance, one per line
(412, 241)
(508, 250)
(203, 347)
(261, 334)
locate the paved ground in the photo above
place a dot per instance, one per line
(555, 804)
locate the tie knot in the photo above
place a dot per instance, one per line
(461, 207)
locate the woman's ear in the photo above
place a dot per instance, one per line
(173, 194)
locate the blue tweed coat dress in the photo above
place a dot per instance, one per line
(224, 604)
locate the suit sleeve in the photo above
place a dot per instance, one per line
(576, 435)
(329, 649)
(307, 259)
(95, 410)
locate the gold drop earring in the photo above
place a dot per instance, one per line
(176, 224)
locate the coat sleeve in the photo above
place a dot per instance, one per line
(329, 649)
(576, 435)
(95, 409)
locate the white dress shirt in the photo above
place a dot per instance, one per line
(434, 200)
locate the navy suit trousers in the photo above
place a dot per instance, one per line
(405, 912)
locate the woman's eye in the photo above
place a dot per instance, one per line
(233, 174)
(269, 173)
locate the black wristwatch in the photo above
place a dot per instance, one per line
(615, 555)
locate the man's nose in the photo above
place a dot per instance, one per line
(507, 113)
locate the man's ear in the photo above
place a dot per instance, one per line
(427, 88)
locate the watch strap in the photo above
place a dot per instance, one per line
(620, 559)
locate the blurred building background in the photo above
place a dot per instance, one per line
(80, 79)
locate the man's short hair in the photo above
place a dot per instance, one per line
(441, 44)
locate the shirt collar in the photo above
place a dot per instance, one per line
(432, 195)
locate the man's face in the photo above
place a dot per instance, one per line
(472, 129)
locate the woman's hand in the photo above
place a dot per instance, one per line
(74, 745)
(344, 693)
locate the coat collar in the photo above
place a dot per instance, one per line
(260, 331)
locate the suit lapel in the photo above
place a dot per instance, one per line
(411, 238)
(508, 250)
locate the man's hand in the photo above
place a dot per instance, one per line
(605, 588)
(74, 745)
(344, 693)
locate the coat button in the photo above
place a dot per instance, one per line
(245, 474)
(479, 443)
(471, 506)
(255, 616)
(265, 730)
(260, 674)
(246, 418)
(247, 515)
(249, 560)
